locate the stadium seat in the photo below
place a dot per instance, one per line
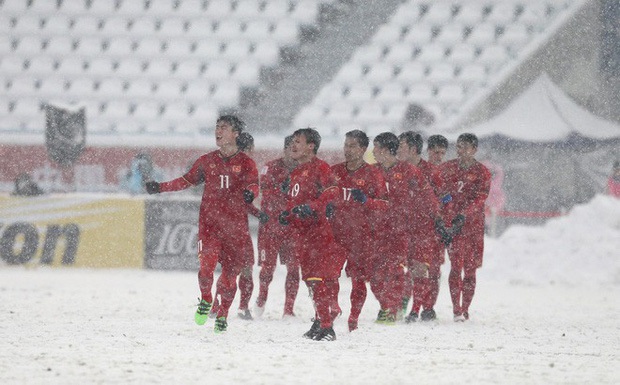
(114, 27)
(178, 48)
(100, 67)
(189, 69)
(470, 13)
(72, 8)
(102, 8)
(197, 91)
(482, 34)
(27, 24)
(370, 114)
(368, 54)
(450, 93)
(257, 31)
(204, 115)
(29, 46)
(176, 112)
(130, 68)
(432, 53)
(148, 47)
(226, 95)
(218, 10)
(400, 52)
(406, 15)
(52, 87)
(247, 10)
(351, 72)
(12, 65)
(43, 7)
(111, 88)
(439, 13)
(493, 55)
(379, 74)
(309, 115)
(420, 92)
(200, 28)
(89, 47)
(305, 12)
(23, 86)
(411, 72)
(160, 8)
(236, 50)
(452, 33)
(247, 73)
(461, 54)
(131, 8)
(120, 47)
(14, 8)
(81, 88)
(172, 27)
(229, 29)
(359, 93)
(285, 32)
(85, 26)
(42, 66)
(514, 36)
(418, 34)
(190, 8)
(56, 25)
(340, 113)
(217, 70)
(168, 90)
(266, 53)
(143, 27)
(275, 10)
(147, 110)
(387, 34)
(441, 73)
(391, 92)
(158, 68)
(473, 74)
(502, 13)
(59, 46)
(139, 89)
(208, 49)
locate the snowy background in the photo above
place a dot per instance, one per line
(546, 311)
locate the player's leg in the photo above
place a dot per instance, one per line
(321, 299)
(434, 275)
(208, 251)
(246, 286)
(333, 288)
(227, 288)
(267, 259)
(455, 281)
(293, 278)
(358, 297)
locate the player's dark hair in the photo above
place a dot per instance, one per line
(236, 123)
(387, 140)
(288, 141)
(437, 141)
(360, 136)
(311, 135)
(413, 139)
(245, 141)
(468, 138)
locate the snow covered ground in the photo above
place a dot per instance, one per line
(546, 311)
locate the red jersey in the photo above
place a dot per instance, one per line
(225, 179)
(432, 173)
(469, 188)
(273, 187)
(410, 195)
(313, 183)
(351, 218)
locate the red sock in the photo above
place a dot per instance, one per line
(246, 286)
(358, 297)
(227, 288)
(291, 287)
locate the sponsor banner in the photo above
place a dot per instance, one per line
(171, 234)
(83, 230)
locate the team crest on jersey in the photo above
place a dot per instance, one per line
(305, 173)
(360, 182)
(236, 169)
(398, 176)
(212, 165)
(470, 177)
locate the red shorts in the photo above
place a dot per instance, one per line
(467, 248)
(318, 253)
(425, 247)
(233, 251)
(273, 240)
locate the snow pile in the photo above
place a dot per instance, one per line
(581, 247)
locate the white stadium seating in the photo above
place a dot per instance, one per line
(183, 62)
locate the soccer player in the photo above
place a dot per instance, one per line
(425, 247)
(408, 190)
(245, 144)
(362, 192)
(468, 182)
(230, 183)
(273, 237)
(436, 148)
(311, 189)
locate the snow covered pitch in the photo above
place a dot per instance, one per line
(546, 311)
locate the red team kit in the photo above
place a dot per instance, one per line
(387, 224)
